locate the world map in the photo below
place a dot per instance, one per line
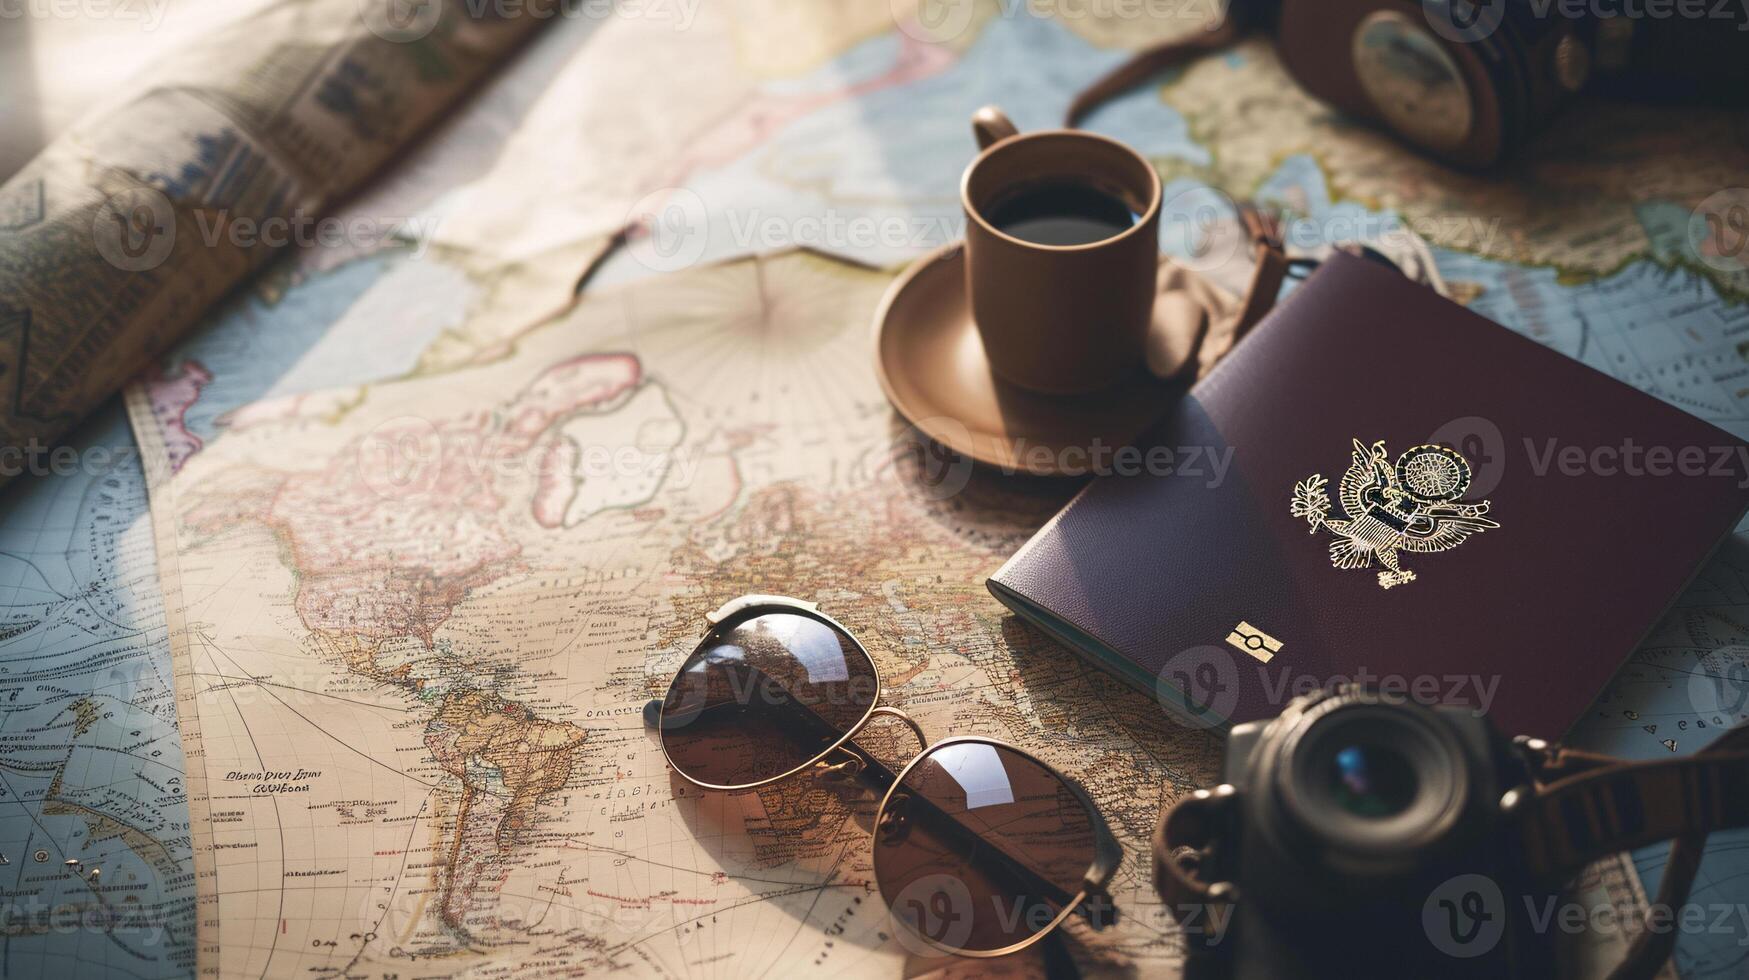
(415, 712)
(95, 846)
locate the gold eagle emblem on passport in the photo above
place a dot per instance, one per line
(1391, 509)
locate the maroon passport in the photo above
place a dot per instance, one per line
(1413, 496)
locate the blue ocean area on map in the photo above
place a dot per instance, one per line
(94, 840)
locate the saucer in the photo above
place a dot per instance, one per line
(931, 364)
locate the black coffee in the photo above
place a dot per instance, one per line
(1064, 212)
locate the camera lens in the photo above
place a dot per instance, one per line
(1367, 783)
(1372, 780)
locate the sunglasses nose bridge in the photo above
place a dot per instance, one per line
(848, 766)
(849, 760)
(889, 712)
(849, 763)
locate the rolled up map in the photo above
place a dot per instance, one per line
(118, 237)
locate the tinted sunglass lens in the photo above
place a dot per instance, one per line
(765, 694)
(980, 848)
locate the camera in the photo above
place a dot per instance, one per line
(1362, 834)
(1469, 82)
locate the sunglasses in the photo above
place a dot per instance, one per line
(980, 849)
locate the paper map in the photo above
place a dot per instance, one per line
(415, 716)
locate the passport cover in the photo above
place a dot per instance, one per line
(1349, 538)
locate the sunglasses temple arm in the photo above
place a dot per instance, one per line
(1009, 870)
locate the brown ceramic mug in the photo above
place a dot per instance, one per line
(1059, 319)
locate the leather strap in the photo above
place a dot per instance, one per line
(1269, 269)
(1569, 823)
(1148, 62)
(1579, 775)
(1228, 323)
(1651, 949)
(1234, 20)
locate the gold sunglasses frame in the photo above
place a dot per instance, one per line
(1107, 853)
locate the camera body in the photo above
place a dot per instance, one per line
(1354, 807)
(1469, 81)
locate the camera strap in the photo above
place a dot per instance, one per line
(1148, 62)
(1222, 29)
(1616, 806)
(1614, 801)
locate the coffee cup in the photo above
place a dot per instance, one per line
(1062, 251)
